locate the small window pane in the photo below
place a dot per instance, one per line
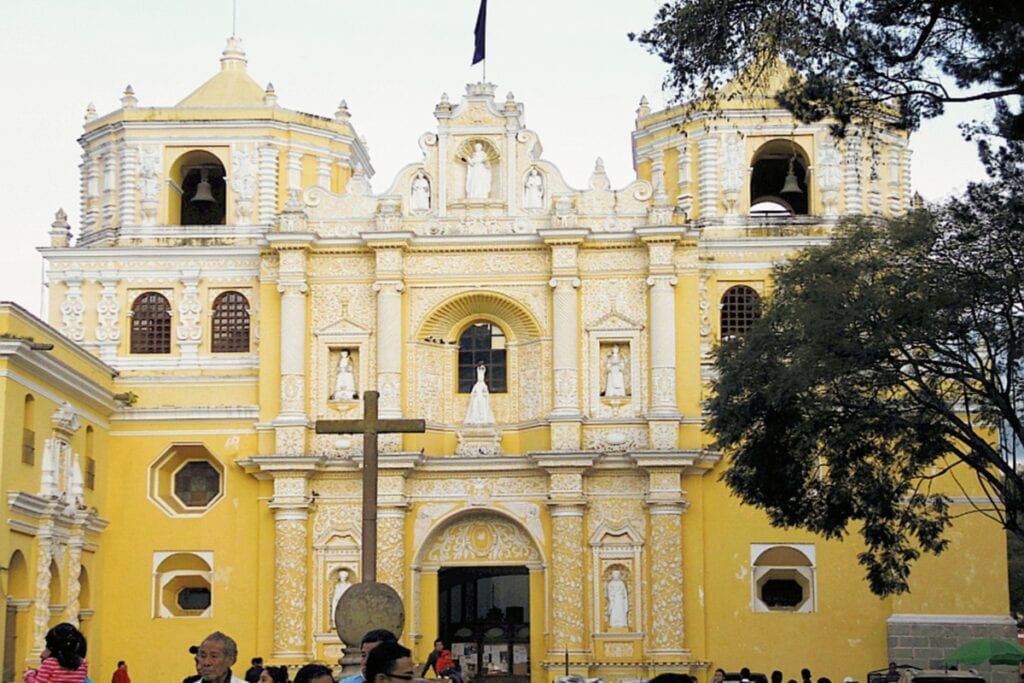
(196, 484)
(151, 324)
(194, 598)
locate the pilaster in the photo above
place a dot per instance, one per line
(268, 156)
(707, 176)
(108, 312)
(190, 329)
(291, 503)
(126, 187)
(663, 417)
(389, 285)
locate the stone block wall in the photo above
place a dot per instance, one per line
(924, 640)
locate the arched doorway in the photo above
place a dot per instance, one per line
(17, 601)
(482, 591)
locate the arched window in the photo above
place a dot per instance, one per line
(778, 180)
(484, 343)
(740, 307)
(28, 431)
(783, 578)
(151, 324)
(230, 328)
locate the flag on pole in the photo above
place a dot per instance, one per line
(480, 33)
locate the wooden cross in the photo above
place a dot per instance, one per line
(370, 427)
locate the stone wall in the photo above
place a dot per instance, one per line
(924, 640)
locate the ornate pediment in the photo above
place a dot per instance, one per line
(343, 327)
(613, 320)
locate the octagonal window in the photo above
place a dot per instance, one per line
(196, 484)
(186, 481)
(197, 598)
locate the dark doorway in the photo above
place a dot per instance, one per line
(10, 641)
(484, 615)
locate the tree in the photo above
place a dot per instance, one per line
(850, 58)
(884, 362)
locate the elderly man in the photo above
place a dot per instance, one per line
(370, 640)
(214, 658)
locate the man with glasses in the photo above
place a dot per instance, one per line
(389, 663)
(371, 640)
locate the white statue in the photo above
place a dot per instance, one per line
(345, 380)
(478, 174)
(616, 601)
(615, 381)
(419, 193)
(479, 410)
(340, 587)
(533, 190)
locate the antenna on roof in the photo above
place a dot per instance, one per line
(234, 8)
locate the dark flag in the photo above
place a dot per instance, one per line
(480, 33)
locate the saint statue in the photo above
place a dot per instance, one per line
(533, 190)
(479, 410)
(345, 380)
(419, 193)
(340, 587)
(478, 174)
(615, 382)
(616, 601)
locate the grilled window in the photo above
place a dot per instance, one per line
(230, 327)
(484, 343)
(151, 324)
(741, 306)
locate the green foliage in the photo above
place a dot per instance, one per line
(877, 361)
(849, 56)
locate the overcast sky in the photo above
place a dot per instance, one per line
(568, 61)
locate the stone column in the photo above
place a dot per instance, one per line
(663, 415)
(658, 177)
(290, 424)
(391, 546)
(109, 187)
(389, 286)
(566, 415)
(294, 172)
(126, 208)
(291, 512)
(665, 504)
(190, 328)
(567, 505)
(684, 198)
(74, 586)
(41, 598)
(323, 172)
(108, 313)
(853, 200)
(268, 155)
(90, 193)
(707, 175)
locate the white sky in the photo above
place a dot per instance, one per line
(568, 61)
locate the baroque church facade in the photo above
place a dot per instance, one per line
(234, 279)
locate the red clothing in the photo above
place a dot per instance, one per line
(120, 676)
(52, 672)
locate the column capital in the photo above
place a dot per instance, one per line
(562, 280)
(381, 285)
(662, 279)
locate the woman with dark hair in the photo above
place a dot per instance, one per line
(274, 674)
(62, 657)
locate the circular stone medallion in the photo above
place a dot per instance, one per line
(366, 606)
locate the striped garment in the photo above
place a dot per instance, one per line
(52, 672)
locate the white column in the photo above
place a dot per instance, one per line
(658, 177)
(109, 194)
(389, 346)
(290, 424)
(663, 346)
(707, 175)
(442, 179)
(126, 208)
(294, 172)
(108, 313)
(268, 183)
(290, 504)
(323, 174)
(566, 338)
(852, 188)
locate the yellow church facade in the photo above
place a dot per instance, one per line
(235, 279)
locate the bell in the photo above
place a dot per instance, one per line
(791, 185)
(203, 193)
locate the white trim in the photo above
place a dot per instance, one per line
(998, 619)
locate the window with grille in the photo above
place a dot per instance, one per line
(740, 307)
(484, 343)
(90, 473)
(151, 324)
(28, 447)
(230, 327)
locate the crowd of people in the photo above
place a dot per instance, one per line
(382, 660)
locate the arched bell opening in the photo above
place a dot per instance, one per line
(203, 199)
(778, 180)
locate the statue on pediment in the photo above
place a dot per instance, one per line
(533, 190)
(478, 173)
(419, 192)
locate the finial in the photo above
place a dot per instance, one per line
(270, 96)
(644, 109)
(90, 112)
(444, 98)
(233, 56)
(60, 231)
(917, 201)
(128, 98)
(342, 113)
(510, 102)
(599, 165)
(444, 105)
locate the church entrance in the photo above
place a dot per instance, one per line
(484, 615)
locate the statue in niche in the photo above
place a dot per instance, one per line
(615, 377)
(478, 173)
(345, 380)
(616, 601)
(479, 410)
(341, 585)
(533, 190)
(419, 192)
